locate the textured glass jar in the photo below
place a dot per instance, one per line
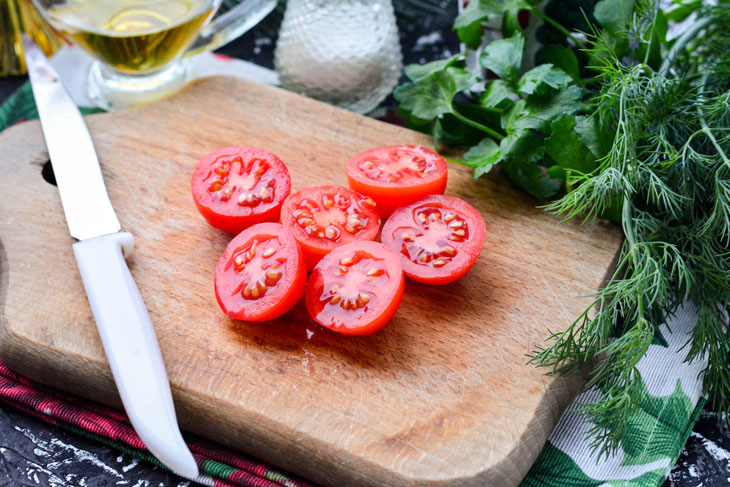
(344, 52)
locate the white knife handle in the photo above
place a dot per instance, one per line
(131, 347)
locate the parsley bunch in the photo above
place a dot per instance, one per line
(638, 132)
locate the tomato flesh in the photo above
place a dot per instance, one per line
(355, 289)
(236, 187)
(397, 175)
(326, 217)
(261, 274)
(438, 238)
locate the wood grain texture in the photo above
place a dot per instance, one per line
(440, 397)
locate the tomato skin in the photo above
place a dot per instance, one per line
(228, 215)
(382, 289)
(438, 238)
(330, 211)
(287, 260)
(387, 162)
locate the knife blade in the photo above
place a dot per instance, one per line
(121, 316)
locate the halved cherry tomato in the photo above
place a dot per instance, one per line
(355, 289)
(437, 238)
(397, 175)
(325, 217)
(261, 274)
(236, 187)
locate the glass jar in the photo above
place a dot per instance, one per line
(344, 52)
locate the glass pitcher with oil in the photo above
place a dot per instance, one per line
(139, 45)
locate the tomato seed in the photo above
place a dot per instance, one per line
(331, 233)
(369, 202)
(375, 272)
(350, 229)
(347, 261)
(268, 253)
(459, 233)
(272, 277)
(450, 251)
(440, 263)
(449, 217)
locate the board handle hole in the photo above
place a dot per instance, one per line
(47, 173)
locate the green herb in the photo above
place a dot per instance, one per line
(666, 166)
(636, 128)
(515, 111)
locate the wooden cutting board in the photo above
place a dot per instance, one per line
(440, 397)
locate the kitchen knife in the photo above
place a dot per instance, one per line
(121, 316)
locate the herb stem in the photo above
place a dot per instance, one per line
(682, 42)
(557, 26)
(491, 132)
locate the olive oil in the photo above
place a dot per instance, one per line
(18, 16)
(133, 36)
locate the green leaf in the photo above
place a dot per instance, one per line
(504, 58)
(511, 23)
(416, 72)
(564, 58)
(531, 178)
(614, 15)
(471, 35)
(524, 145)
(437, 133)
(496, 92)
(478, 10)
(538, 110)
(463, 79)
(473, 13)
(482, 157)
(590, 134)
(543, 75)
(454, 132)
(680, 10)
(511, 117)
(541, 109)
(430, 97)
(565, 148)
(481, 114)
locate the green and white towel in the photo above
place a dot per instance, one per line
(671, 402)
(672, 398)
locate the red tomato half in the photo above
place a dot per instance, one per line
(355, 289)
(236, 187)
(437, 238)
(261, 274)
(325, 217)
(397, 175)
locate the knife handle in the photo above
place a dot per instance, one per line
(131, 347)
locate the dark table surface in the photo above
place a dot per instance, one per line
(33, 453)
